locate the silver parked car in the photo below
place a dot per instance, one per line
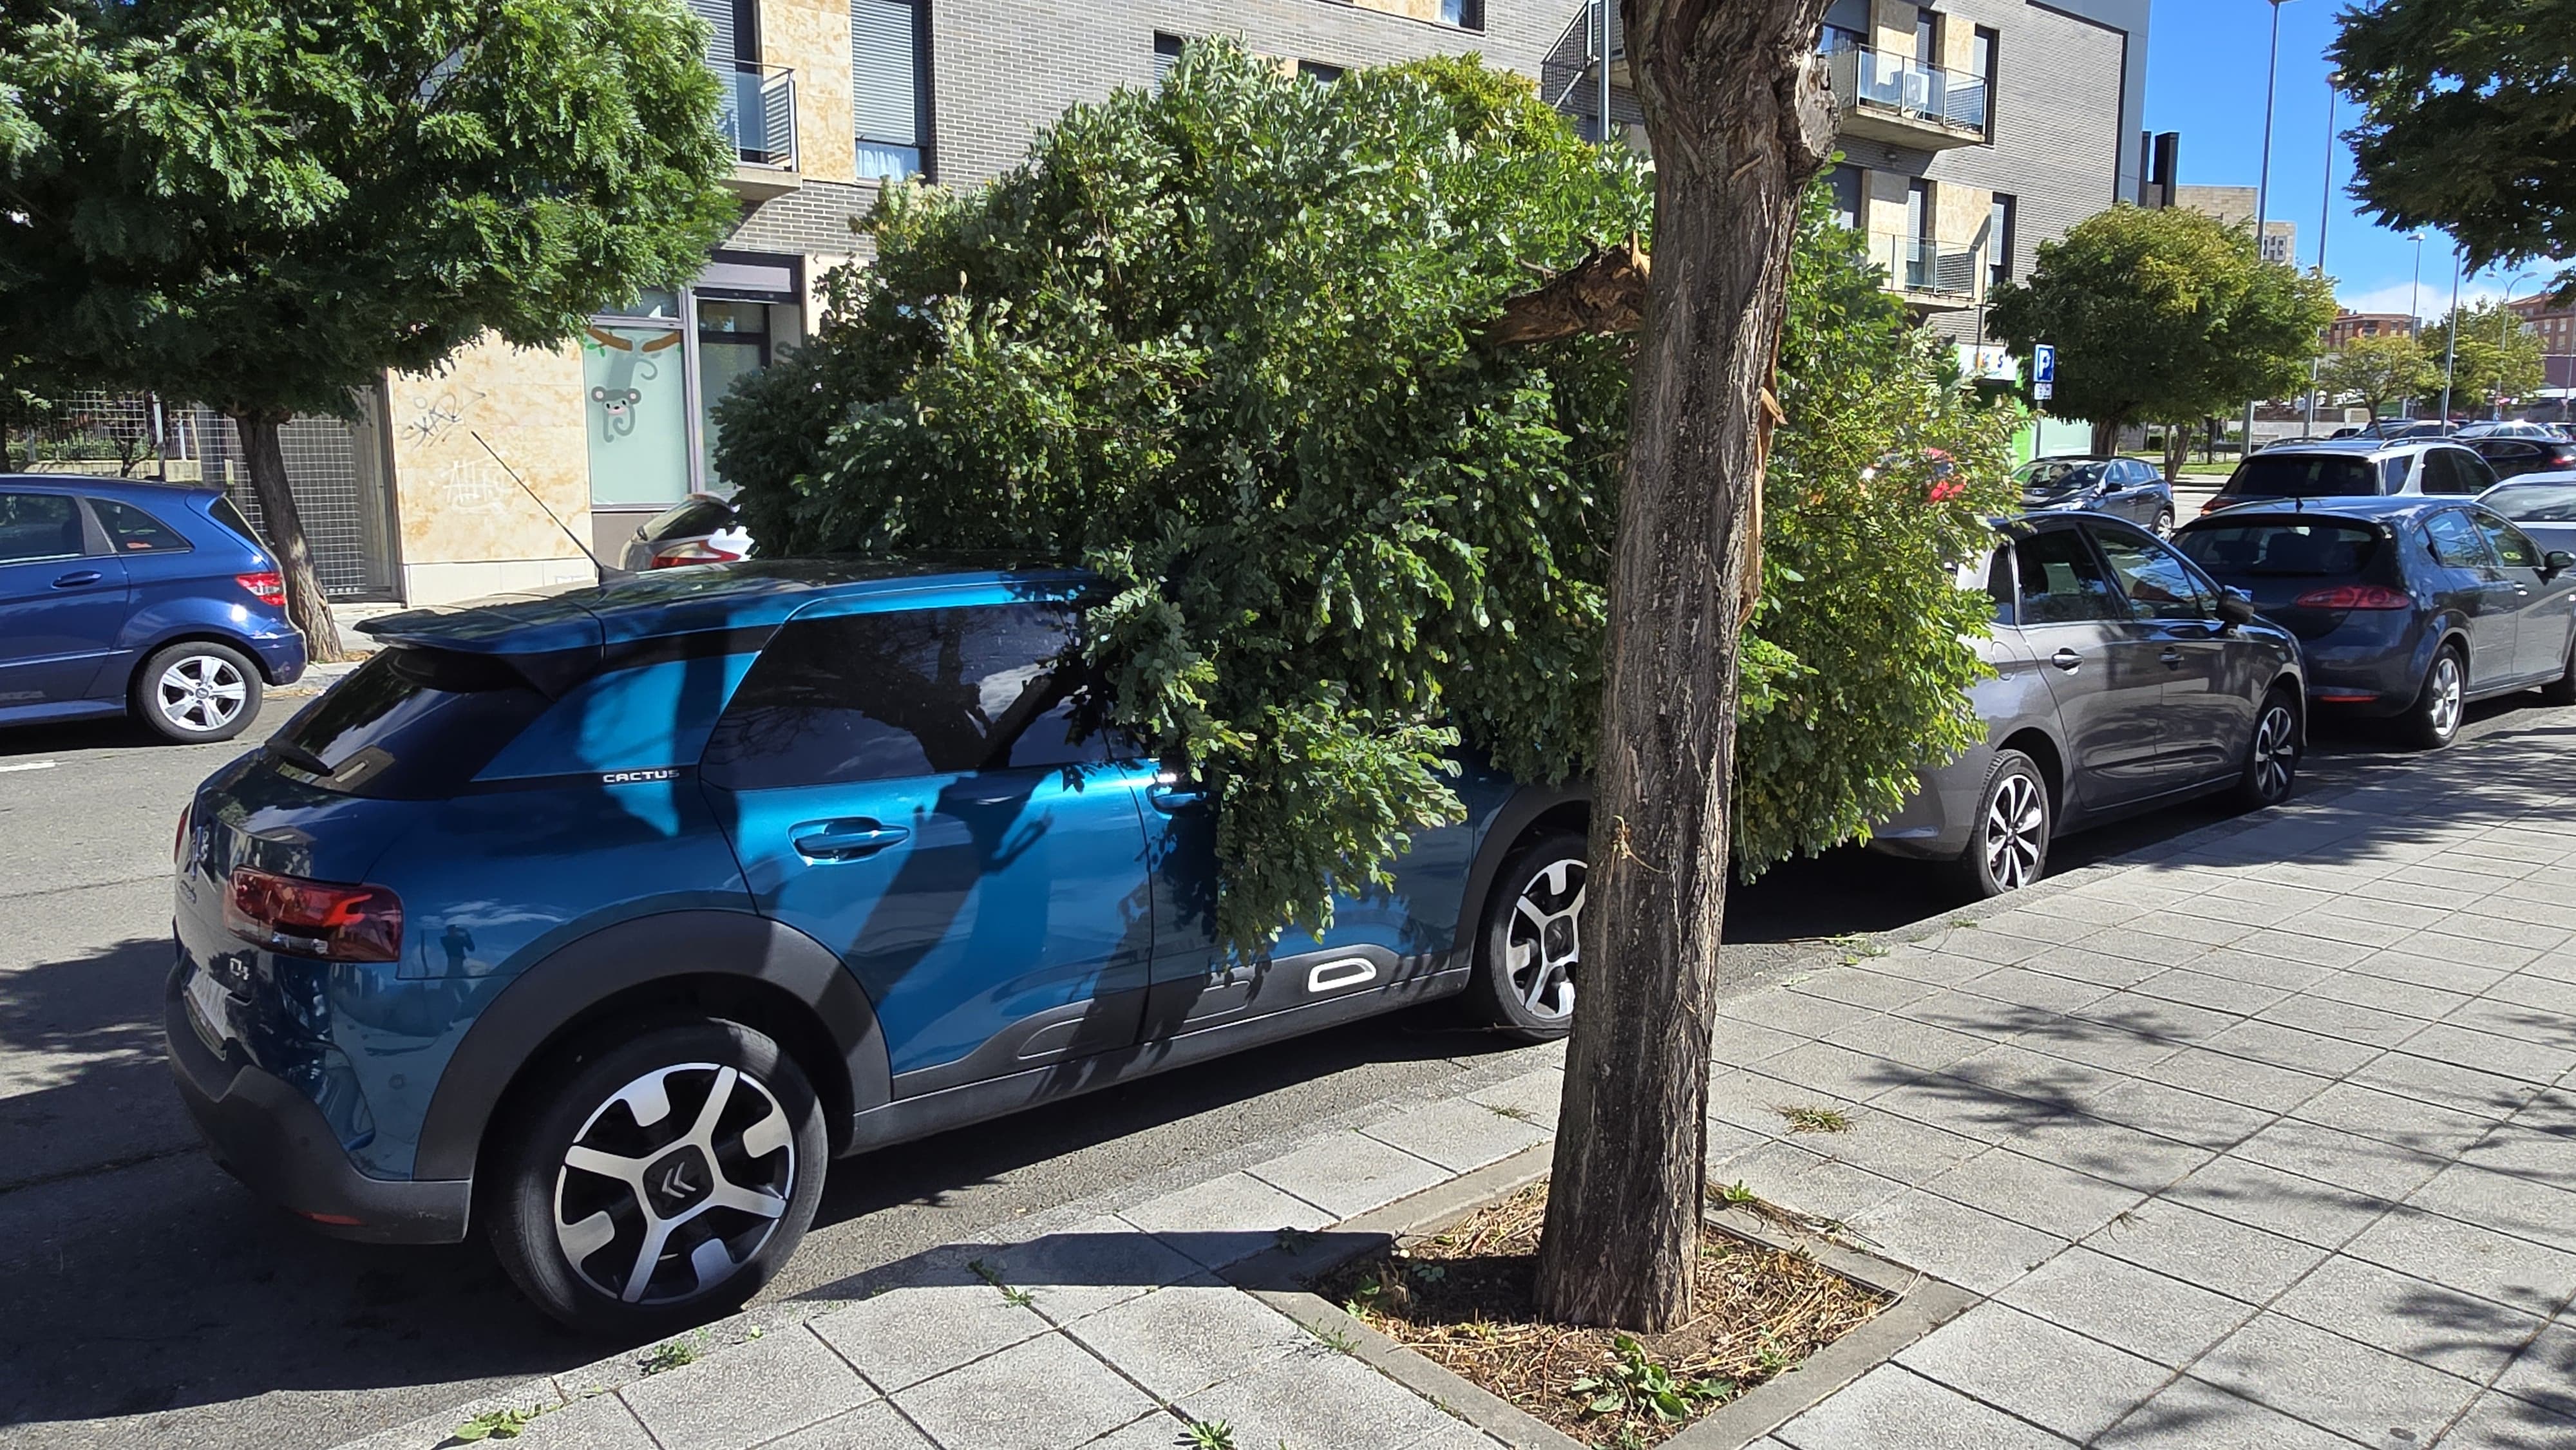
(2125, 679)
(700, 529)
(2542, 505)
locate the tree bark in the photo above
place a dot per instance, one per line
(305, 605)
(1739, 119)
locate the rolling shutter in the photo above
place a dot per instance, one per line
(885, 91)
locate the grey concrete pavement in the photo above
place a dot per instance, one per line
(2256, 1139)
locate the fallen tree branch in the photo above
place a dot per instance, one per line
(1600, 296)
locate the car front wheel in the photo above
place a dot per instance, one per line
(1527, 957)
(2272, 761)
(660, 1178)
(2008, 839)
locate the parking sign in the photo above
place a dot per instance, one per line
(2043, 363)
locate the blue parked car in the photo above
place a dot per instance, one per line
(602, 918)
(118, 596)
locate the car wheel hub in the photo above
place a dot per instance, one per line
(2016, 833)
(201, 693)
(1544, 943)
(2446, 695)
(674, 1183)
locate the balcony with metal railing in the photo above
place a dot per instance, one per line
(758, 115)
(1897, 99)
(1928, 271)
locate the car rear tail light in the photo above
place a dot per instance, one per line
(695, 551)
(314, 918)
(2355, 596)
(267, 586)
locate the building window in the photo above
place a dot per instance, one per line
(1467, 14)
(890, 87)
(654, 369)
(1316, 70)
(1846, 26)
(1167, 54)
(1927, 35)
(1847, 182)
(1981, 59)
(1999, 242)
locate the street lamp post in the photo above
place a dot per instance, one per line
(2504, 339)
(2451, 337)
(2263, 188)
(2415, 312)
(2325, 211)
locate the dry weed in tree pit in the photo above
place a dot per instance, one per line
(1461, 1298)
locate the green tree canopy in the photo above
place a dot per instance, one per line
(1222, 343)
(2162, 315)
(261, 205)
(2468, 122)
(2498, 357)
(2379, 370)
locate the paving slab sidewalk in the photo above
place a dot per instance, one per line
(2264, 1138)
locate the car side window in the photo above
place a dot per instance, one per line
(2159, 585)
(1999, 586)
(132, 531)
(2455, 541)
(2062, 582)
(2392, 474)
(40, 526)
(2446, 471)
(2475, 475)
(2513, 548)
(884, 696)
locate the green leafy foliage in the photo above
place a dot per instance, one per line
(502, 1424)
(2163, 315)
(1220, 343)
(1634, 1386)
(2497, 356)
(2379, 370)
(2467, 122)
(263, 205)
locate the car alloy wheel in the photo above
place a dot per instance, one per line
(2276, 753)
(2445, 693)
(1545, 940)
(200, 693)
(2014, 834)
(675, 1183)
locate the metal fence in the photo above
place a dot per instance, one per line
(337, 470)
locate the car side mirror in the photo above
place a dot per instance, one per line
(2235, 607)
(2557, 562)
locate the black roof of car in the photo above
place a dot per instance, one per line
(2365, 506)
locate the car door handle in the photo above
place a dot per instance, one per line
(77, 578)
(2066, 659)
(844, 840)
(2172, 659)
(1171, 793)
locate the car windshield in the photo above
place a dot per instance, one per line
(2281, 547)
(2550, 503)
(2302, 475)
(410, 724)
(2058, 475)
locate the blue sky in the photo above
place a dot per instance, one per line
(2205, 64)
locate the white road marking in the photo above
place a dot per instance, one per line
(30, 765)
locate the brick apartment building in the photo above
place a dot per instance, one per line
(1974, 129)
(2557, 329)
(2349, 326)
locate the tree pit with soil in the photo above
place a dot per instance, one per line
(1461, 1298)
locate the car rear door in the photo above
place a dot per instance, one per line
(2102, 667)
(2493, 602)
(915, 789)
(2544, 620)
(62, 600)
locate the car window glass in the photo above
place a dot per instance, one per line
(2454, 541)
(39, 526)
(2302, 475)
(231, 517)
(2445, 472)
(2513, 548)
(2536, 503)
(132, 531)
(913, 692)
(410, 724)
(2392, 474)
(2159, 585)
(2062, 582)
(1999, 585)
(2295, 548)
(2475, 475)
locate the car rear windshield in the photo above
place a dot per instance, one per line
(2302, 475)
(689, 520)
(410, 724)
(2300, 548)
(2535, 504)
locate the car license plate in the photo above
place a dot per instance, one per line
(206, 1010)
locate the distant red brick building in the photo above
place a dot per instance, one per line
(2557, 329)
(2350, 325)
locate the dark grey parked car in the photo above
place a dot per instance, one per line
(2124, 488)
(2125, 679)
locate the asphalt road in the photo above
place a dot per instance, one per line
(152, 1303)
